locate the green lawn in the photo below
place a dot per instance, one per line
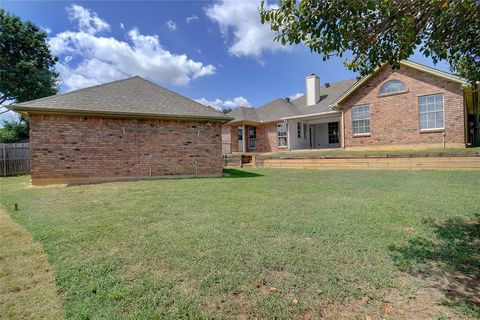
(261, 243)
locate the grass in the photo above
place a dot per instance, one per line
(27, 289)
(362, 153)
(261, 243)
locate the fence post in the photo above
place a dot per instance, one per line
(4, 162)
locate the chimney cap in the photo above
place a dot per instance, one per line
(288, 99)
(327, 84)
(312, 74)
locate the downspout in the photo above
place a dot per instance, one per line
(343, 129)
(465, 118)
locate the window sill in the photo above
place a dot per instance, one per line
(362, 135)
(432, 130)
(282, 147)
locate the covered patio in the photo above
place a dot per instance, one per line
(320, 131)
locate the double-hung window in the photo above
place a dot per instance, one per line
(431, 111)
(282, 134)
(252, 137)
(361, 119)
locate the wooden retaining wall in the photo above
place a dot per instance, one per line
(406, 163)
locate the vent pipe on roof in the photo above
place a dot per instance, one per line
(312, 89)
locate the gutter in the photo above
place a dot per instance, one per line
(311, 115)
(117, 114)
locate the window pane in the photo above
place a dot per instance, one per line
(361, 119)
(282, 134)
(440, 124)
(393, 86)
(430, 110)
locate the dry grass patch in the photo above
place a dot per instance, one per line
(27, 288)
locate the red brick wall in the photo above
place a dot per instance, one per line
(92, 147)
(266, 138)
(394, 119)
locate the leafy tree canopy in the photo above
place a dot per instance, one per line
(379, 31)
(26, 64)
(26, 70)
(13, 131)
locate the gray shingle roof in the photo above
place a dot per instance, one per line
(280, 108)
(134, 97)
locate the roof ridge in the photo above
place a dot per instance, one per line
(81, 89)
(179, 95)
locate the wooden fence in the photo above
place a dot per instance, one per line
(14, 159)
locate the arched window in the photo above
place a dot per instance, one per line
(393, 86)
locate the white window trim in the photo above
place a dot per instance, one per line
(249, 140)
(365, 134)
(418, 112)
(286, 135)
(392, 93)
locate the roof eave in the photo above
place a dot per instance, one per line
(319, 114)
(35, 110)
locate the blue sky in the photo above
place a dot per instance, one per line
(215, 52)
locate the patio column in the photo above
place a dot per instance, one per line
(342, 130)
(288, 135)
(244, 141)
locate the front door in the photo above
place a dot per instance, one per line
(240, 139)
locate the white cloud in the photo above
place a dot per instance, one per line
(87, 20)
(219, 104)
(7, 116)
(191, 19)
(46, 29)
(296, 96)
(104, 59)
(171, 25)
(250, 36)
(122, 26)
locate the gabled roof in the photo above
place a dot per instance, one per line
(405, 63)
(131, 97)
(279, 109)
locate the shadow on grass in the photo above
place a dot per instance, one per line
(451, 259)
(234, 173)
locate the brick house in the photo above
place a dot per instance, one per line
(125, 129)
(414, 106)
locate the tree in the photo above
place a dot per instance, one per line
(13, 131)
(26, 64)
(379, 31)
